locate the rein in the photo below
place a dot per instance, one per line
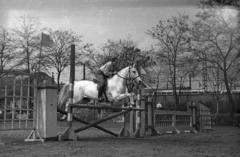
(131, 84)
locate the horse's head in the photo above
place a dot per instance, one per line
(133, 74)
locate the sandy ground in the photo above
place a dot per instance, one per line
(220, 142)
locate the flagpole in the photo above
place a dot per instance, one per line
(37, 113)
(45, 41)
(39, 62)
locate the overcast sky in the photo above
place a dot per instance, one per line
(99, 20)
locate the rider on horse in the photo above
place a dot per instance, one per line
(104, 72)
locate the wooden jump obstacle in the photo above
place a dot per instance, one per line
(149, 124)
(173, 121)
(44, 122)
(47, 121)
(166, 121)
(135, 128)
(68, 135)
(142, 118)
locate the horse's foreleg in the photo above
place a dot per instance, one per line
(123, 96)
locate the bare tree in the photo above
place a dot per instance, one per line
(8, 56)
(215, 83)
(27, 41)
(217, 39)
(58, 56)
(173, 38)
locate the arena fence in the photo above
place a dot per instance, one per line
(17, 100)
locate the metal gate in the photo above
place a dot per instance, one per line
(17, 100)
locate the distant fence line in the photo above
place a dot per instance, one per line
(208, 98)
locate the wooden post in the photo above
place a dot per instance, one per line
(46, 108)
(84, 72)
(132, 119)
(69, 134)
(189, 110)
(193, 108)
(1, 143)
(71, 84)
(153, 116)
(131, 124)
(173, 120)
(124, 131)
(138, 113)
(142, 103)
(149, 117)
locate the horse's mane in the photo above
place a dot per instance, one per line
(123, 69)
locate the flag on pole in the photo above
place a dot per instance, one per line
(46, 40)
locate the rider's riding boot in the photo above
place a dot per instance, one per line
(100, 99)
(100, 95)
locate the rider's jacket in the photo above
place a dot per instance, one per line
(108, 69)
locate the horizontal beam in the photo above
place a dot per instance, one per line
(105, 107)
(17, 72)
(162, 112)
(17, 128)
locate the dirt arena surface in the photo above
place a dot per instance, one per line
(220, 142)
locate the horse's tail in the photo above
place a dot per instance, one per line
(63, 96)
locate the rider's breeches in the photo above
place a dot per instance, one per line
(101, 83)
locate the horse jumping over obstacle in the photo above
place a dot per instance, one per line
(115, 91)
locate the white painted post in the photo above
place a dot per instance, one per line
(47, 111)
(138, 114)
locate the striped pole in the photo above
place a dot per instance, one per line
(69, 133)
(138, 113)
(123, 117)
(71, 85)
(139, 132)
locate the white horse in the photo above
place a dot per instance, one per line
(115, 91)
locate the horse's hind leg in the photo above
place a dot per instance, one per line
(66, 109)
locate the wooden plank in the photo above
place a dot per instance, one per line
(75, 105)
(17, 73)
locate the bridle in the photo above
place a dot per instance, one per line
(130, 85)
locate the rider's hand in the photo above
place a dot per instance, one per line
(115, 72)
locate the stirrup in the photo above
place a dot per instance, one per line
(100, 100)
